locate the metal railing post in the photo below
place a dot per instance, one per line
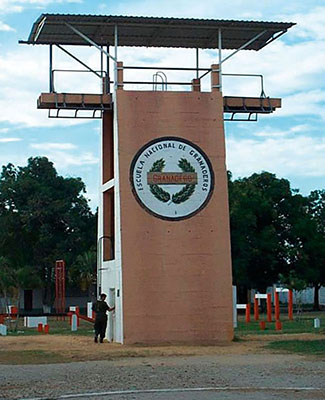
(220, 58)
(51, 69)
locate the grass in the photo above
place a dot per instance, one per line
(23, 357)
(303, 324)
(306, 347)
(68, 346)
(58, 327)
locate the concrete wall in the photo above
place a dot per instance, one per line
(177, 284)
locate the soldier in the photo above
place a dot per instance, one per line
(100, 308)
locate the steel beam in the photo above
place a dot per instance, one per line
(86, 38)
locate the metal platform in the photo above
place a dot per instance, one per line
(75, 105)
(103, 102)
(248, 108)
(260, 105)
(75, 101)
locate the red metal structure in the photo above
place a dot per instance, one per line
(277, 303)
(269, 307)
(60, 288)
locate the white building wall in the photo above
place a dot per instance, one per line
(111, 286)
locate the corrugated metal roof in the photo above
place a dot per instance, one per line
(154, 32)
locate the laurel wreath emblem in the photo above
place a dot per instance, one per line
(182, 195)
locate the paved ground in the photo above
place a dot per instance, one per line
(206, 377)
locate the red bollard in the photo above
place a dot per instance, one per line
(276, 306)
(262, 325)
(256, 315)
(13, 312)
(290, 305)
(269, 307)
(40, 327)
(278, 325)
(248, 313)
(46, 328)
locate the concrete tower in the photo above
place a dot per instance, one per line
(164, 240)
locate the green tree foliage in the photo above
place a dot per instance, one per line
(84, 271)
(6, 281)
(13, 279)
(311, 233)
(261, 220)
(306, 255)
(277, 234)
(43, 217)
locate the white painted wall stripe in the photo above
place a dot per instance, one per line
(108, 185)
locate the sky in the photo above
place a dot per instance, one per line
(289, 142)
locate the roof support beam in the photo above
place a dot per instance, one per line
(220, 57)
(39, 29)
(86, 38)
(197, 63)
(274, 37)
(115, 58)
(51, 69)
(244, 46)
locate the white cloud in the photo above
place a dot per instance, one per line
(271, 132)
(9, 6)
(64, 160)
(62, 156)
(234, 9)
(311, 24)
(7, 140)
(53, 146)
(294, 156)
(17, 6)
(20, 87)
(251, 15)
(304, 103)
(294, 72)
(287, 69)
(5, 28)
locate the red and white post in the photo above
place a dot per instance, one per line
(277, 303)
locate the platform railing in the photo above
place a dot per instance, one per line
(205, 73)
(160, 73)
(101, 75)
(261, 78)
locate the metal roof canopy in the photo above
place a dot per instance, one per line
(154, 32)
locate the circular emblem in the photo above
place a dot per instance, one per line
(171, 178)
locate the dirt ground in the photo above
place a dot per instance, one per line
(64, 366)
(67, 348)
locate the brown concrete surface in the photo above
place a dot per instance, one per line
(176, 275)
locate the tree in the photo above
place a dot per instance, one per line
(295, 283)
(43, 217)
(306, 255)
(261, 213)
(84, 271)
(311, 232)
(12, 280)
(5, 281)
